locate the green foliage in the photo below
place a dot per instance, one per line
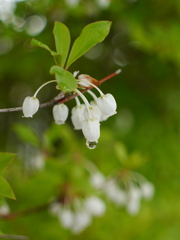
(89, 37)
(5, 188)
(65, 79)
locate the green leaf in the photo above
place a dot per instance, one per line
(65, 79)
(57, 56)
(36, 43)
(62, 41)
(5, 189)
(5, 160)
(91, 35)
(26, 134)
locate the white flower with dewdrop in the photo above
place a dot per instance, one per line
(91, 131)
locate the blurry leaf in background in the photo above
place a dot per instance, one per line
(5, 160)
(27, 135)
(5, 189)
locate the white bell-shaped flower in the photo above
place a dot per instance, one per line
(94, 111)
(78, 116)
(4, 209)
(107, 105)
(60, 113)
(134, 199)
(30, 106)
(114, 193)
(97, 180)
(82, 219)
(103, 117)
(95, 206)
(66, 217)
(91, 130)
(147, 189)
(133, 206)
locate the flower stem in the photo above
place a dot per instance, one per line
(85, 101)
(43, 86)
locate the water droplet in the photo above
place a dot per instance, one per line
(91, 145)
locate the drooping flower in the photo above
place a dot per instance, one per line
(97, 180)
(82, 219)
(95, 206)
(114, 193)
(134, 199)
(30, 106)
(147, 189)
(91, 131)
(107, 104)
(60, 113)
(94, 111)
(77, 116)
(66, 217)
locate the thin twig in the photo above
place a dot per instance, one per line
(18, 237)
(61, 98)
(14, 215)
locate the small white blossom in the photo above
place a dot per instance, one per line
(133, 206)
(78, 116)
(134, 199)
(66, 217)
(60, 113)
(30, 106)
(97, 180)
(107, 105)
(147, 189)
(91, 130)
(115, 194)
(4, 209)
(95, 206)
(82, 219)
(54, 208)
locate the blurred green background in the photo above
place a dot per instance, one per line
(144, 43)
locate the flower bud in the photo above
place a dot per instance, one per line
(60, 113)
(30, 106)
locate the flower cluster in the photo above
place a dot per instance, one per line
(124, 193)
(85, 116)
(79, 214)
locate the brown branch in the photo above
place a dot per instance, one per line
(14, 215)
(61, 98)
(18, 237)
